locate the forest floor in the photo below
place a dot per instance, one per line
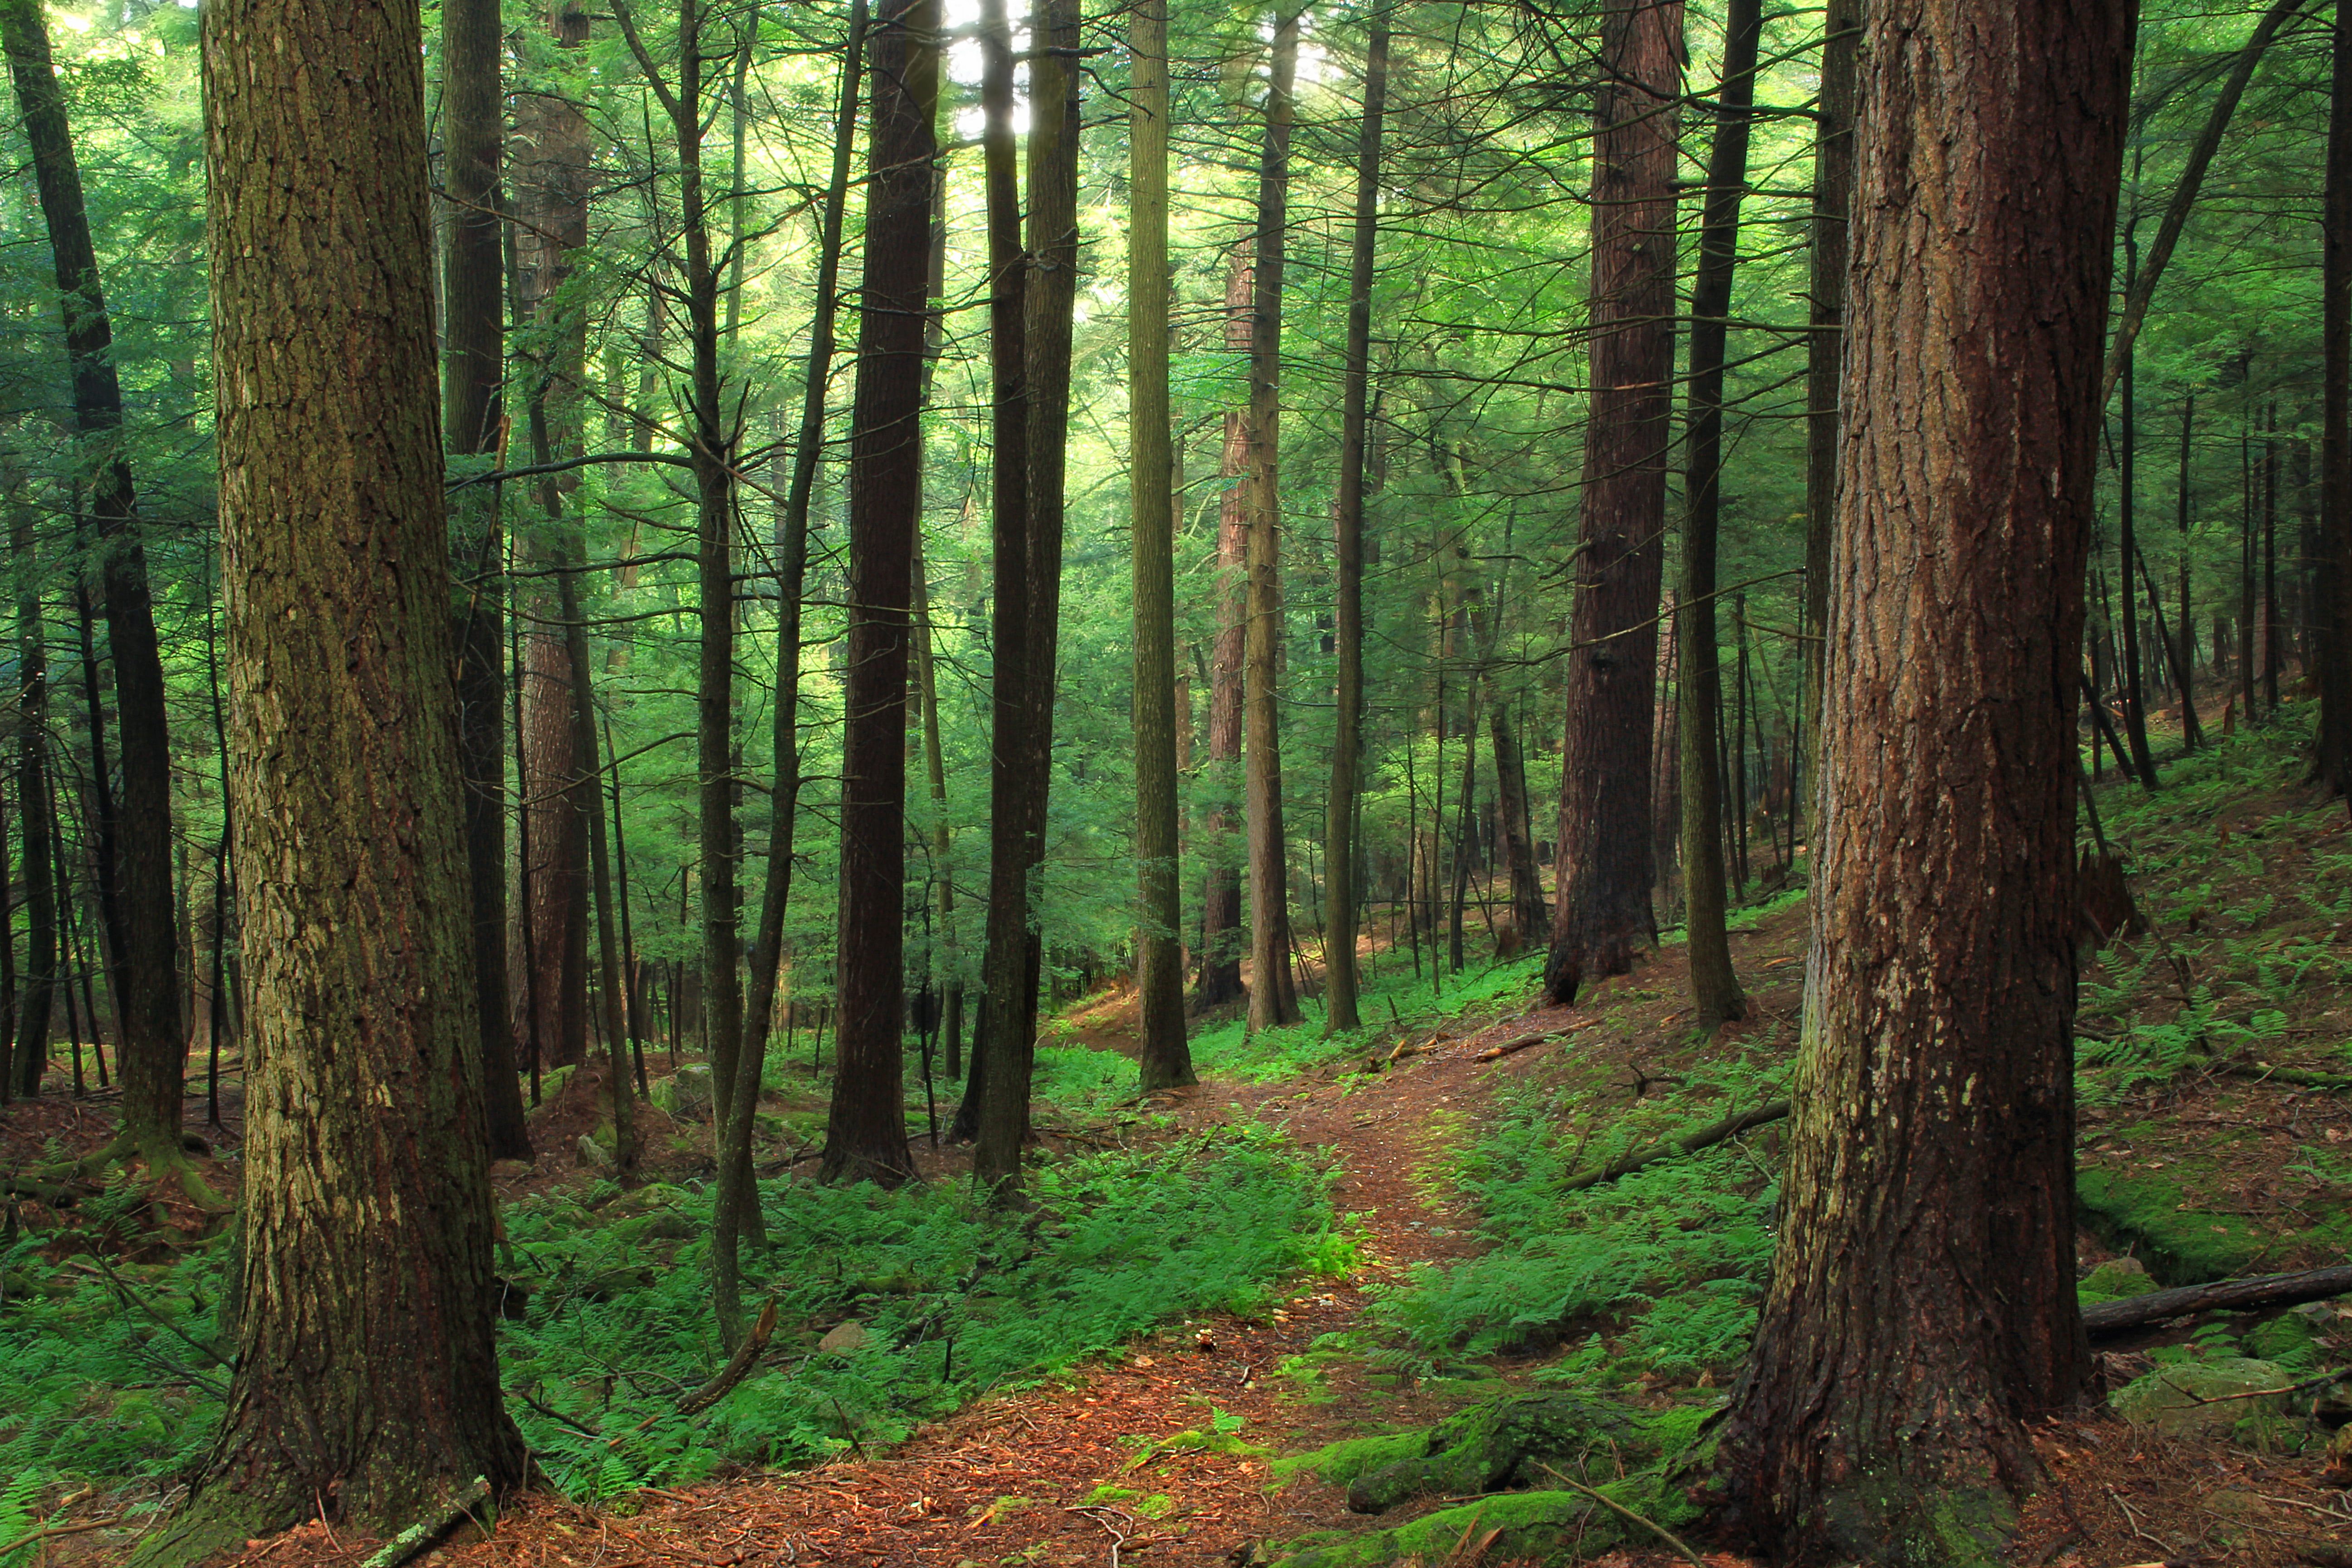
(2200, 1161)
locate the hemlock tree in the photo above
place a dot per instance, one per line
(1602, 909)
(1922, 1307)
(1163, 1059)
(367, 1367)
(866, 1135)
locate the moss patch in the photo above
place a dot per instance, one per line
(2151, 1217)
(1341, 1462)
(1550, 1525)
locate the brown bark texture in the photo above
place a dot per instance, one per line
(1922, 1307)
(1220, 955)
(866, 1135)
(367, 1367)
(1601, 913)
(2335, 575)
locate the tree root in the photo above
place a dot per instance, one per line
(409, 1543)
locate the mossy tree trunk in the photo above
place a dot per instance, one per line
(1922, 1307)
(366, 1372)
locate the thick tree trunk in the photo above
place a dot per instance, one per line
(472, 372)
(366, 1370)
(866, 1135)
(1602, 916)
(1164, 1059)
(1922, 1307)
(1026, 735)
(151, 1051)
(1716, 997)
(1339, 846)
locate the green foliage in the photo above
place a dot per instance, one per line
(1678, 1252)
(951, 1300)
(19, 1516)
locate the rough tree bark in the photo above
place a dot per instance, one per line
(1163, 1059)
(1922, 1307)
(1602, 905)
(1825, 341)
(866, 1134)
(1219, 978)
(366, 1370)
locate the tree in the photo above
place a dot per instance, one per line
(2335, 756)
(1716, 997)
(473, 372)
(367, 1363)
(866, 1136)
(1922, 1306)
(1601, 910)
(1274, 992)
(1025, 730)
(136, 832)
(1347, 559)
(36, 818)
(1825, 342)
(1163, 1059)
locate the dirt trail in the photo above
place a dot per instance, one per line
(1160, 1452)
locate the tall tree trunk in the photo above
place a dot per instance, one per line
(1825, 339)
(1049, 296)
(367, 1360)
(2334, 755)
(1007, 923)
(472, 412)
(1922, 1307)
(1339, 846)
(2184, 664)
(151, 1051)
(610, 986)
(1715, 995)
(36, 817)
(1219, 979)
(866, 1136)
(1602, 904)
(710, 452)
(1163, 1059)
(2127, 545)
(552, 159)
(1274, 997)
(738, 1200)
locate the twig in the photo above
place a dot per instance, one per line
(2132, 1520)
(51, 1531)
(1681, 1549)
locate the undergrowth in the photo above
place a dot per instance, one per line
(945, 1300)
(1663, 1269)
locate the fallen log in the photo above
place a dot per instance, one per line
(747, 1354)
(2263, 1072)
(1512, 1048)
(1689, 1143)
(2111, 1317)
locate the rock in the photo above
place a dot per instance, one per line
(844, 1338)
(2114, 1281)
(2203, 1398)
(593, 1154)
(685, 1095)
(1495, 1445)
(2289, 1341)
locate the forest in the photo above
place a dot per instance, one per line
(1395, 782)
